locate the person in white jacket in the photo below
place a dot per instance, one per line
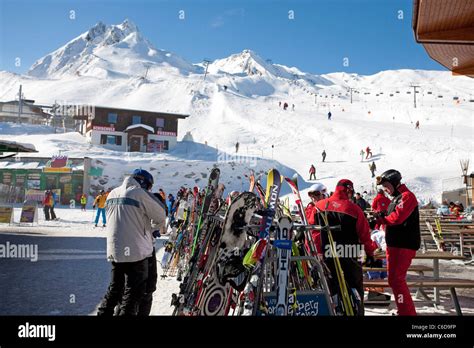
(130, 208)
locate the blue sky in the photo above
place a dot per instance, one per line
(322, 33)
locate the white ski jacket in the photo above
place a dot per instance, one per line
(129, 210)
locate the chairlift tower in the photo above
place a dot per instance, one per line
(414, 94)
(206, 62)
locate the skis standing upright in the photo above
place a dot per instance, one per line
(283, 244)
(211, 186)
(253, 290)
(320, 265)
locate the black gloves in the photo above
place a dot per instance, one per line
(371, 262)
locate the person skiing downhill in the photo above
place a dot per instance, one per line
(329, 115)
(417, 125)
(369, 152)
(372, 168)
(402, 235)
(130, 209)
(324, 155)
(312, 172)
(354, 233)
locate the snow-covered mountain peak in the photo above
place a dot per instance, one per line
(107, 51)
(246, 63)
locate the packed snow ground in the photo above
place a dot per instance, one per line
(72, 261)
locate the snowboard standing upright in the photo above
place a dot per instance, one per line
(226, 271)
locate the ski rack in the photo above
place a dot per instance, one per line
(269, 280)
(270, 267)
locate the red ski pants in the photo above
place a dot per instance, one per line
(398, 261)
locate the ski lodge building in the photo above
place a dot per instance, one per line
(27, 112)
(132, 130)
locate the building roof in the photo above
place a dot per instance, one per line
(140, 125)
(183, 116)
(38, 163)
(446, 30)
(13, 146)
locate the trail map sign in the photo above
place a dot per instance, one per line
(29, 212)
(6, 214)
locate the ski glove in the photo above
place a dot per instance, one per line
(371, 262)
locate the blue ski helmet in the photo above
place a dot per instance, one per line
(144, 178)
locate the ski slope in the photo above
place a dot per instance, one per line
(116, 66)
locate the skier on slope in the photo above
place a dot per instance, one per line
(372, 168)
(312, 172)
(329, 115)
(354, 233)
(316, 193)
(361, 153)
(369, 152)
(402, 235)
(130, 246)
(324, 155)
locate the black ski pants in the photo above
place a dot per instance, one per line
(127, 287)
(116, 293)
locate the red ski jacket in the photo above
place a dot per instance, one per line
(403, 221)
(380, 203)
(311, 216)
(354, 225)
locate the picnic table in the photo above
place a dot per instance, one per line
(436, 256)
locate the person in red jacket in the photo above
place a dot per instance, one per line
(316, 193)
(353, 234)
(402, 235)
(380, 204)
(312, 172)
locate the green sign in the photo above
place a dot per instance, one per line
(96, 171)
